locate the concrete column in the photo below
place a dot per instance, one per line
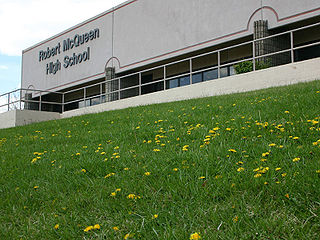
(270, 45)
(111, 86)
(30, 105)
(263, 46)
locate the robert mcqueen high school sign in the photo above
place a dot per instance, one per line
(68, 44)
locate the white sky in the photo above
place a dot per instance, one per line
(24, 23)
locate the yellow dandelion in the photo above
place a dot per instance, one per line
(113, 194)
(155, 216)
(109, 175)
(296, 159)
(147, 173)
(115, 228)
(87, 229)
(257, 175)
(56, 226)
(97, 226)
(175, 169)
(202, 177)
(287, 195)
(240, 169)
(235, 219)
(232, 150)
(195, 236)
(278, 169)
(272, 144)
(35, 187)
(83, 170)
(156, 150)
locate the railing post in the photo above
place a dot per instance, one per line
(62, 107)
(219, 63)
(40, 101)
(254, 55)
(164, 77)
(140, 81)
(119, 88)
(291, 45)
(8, 101)
(20, 98)
(190, 65)
(100, 92)
(84, 97)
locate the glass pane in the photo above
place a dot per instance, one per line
(184, 81)
(196, 78)
(210, 75)
(224, 72)
(95, 101)
(173, 83)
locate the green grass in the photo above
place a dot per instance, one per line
(208, 188)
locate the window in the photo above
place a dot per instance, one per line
(178, 82)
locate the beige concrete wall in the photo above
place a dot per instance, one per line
(7, 119)
(277, 76)
(23, 117)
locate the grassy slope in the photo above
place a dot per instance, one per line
(207, 189)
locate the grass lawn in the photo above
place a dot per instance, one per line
(240, 166)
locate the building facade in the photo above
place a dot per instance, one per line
(139, 47)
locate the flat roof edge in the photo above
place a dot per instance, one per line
(115, 8)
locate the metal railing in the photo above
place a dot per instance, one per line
(99, 92)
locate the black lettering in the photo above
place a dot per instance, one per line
(91, 33)
(41, 56)
(81, 39)
(76, 40)
(71, 43)
(96, 33)
(86, 37)
(66, 62)
(66, 45)
(80, 57)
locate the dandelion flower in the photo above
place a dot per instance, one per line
(296, 159)
(97, 226)
(87, 229)
(56, 226)
(155, 216)
(235, 219)
(240, 169)
(147, 173)
(195, 236)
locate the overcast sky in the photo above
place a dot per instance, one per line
(24, 23)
